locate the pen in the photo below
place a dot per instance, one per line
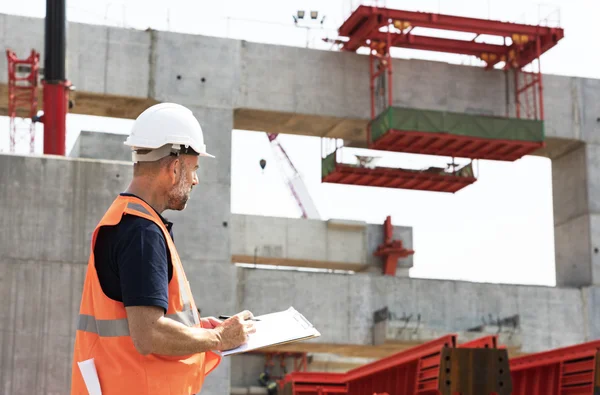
(224, 317)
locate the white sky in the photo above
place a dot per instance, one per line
(498, 230)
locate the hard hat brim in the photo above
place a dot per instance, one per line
(206, 154)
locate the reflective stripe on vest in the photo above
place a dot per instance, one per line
(120, 327)
(138, 207)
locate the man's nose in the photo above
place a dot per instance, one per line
(195, 180)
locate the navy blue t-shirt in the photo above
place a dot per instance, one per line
(133, 262)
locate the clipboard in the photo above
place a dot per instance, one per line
(278, 328)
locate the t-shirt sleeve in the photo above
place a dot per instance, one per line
(143, 267)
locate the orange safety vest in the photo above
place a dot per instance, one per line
(103, 332)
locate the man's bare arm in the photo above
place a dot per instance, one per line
(153, 333)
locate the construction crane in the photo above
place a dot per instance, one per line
(293, 180)
(23, 87)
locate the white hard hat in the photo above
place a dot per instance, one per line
(166, 128)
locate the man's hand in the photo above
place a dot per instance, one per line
(234, 331)
(210, 322)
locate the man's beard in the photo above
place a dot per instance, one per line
(179, 196)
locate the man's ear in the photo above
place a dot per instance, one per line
(175, 169)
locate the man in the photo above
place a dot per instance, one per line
(138, 320)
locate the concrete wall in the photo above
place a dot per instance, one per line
(49, 206)
(576, 187)
(342, 306)
(347, 245)
(96, 145)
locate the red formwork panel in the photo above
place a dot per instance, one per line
(453, 145)
(570, 370)
(434, 179)
(483, 342)
(416, 371)
(314, 383)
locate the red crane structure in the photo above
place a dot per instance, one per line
(391, 250)
(443, 133)
(23, 84)
(23, 90)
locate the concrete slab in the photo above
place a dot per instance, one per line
(447, 306)
(217, 126)
(96, 145)
(569, 180)
(201, 230)
(87, 55)
(196, 70)
(573, 252)
(53, 204)
(37, 327)
(245, 369)
(218, 382)
(20, 34)
(309, 243)
(213, 286)
(127, 62)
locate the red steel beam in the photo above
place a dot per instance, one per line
(318, 390)
(362, 33)
(447, 22)
(347, 174)
(482, 342)
(554, 356)
(442, 44)
(402, 357)
(315, 377)
(530, 51)
(528, 85)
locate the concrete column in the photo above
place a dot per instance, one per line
(576, 194)
(201, 232)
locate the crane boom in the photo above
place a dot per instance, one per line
(294, 180)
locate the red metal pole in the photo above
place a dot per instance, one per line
(535, 100)
(371, 82)
(56, 104)
(527, 84)
(389, 65)
(540, 83)
(372, 88)
(527, 112)
(517, 103)
(56, 86)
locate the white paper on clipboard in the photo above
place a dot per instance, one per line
(277, 328)
(90, 376)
